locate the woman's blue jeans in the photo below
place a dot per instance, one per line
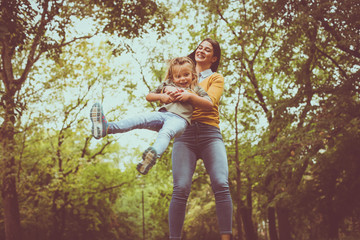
(168, 124)
(199, 141)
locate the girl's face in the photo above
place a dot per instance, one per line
(205, 53)
(182, 75)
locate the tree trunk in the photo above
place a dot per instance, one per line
(250, 231)
(284, 225)
(248, 224)
(272, 224)
(9, 193)
(239, 202)
(331, 220)
(57, 229)
(7, 132)
(333, 228)
(238, 207)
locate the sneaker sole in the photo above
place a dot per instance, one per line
(95, 116)
(149, 160)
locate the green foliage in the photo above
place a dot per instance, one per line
(289, 116)
(290, 87)
(125, 18)
(131, 18)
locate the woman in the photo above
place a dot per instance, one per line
(202, 139)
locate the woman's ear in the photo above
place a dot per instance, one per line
(214, 59)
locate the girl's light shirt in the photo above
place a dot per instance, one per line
(183, 109)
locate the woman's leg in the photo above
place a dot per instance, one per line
(206, 141)
(215, 161)
(183, 165)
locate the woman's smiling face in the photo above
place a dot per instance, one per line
(204, 54)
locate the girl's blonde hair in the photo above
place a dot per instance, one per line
(181, 61)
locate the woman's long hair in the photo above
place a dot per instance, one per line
(217, 53)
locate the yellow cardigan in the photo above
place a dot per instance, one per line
(214, 86)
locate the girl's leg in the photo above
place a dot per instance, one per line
(152, 121)
(98, 120)
(173, 126)
(215, 161)
(183, 166)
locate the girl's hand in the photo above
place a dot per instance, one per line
(165, 98)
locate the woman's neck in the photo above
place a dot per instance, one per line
(200, 68)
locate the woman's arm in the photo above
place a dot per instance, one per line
(201, 102)
(193, 99)
(214, 86)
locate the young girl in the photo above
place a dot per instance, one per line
(170, 120)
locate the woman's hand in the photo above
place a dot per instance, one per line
(182, 96)
(193, 99)
(172, 91)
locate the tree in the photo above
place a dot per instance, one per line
(30, 31)
(294, 61)
(323, 71)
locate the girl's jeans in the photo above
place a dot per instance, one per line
(199, 141)
(169, 125)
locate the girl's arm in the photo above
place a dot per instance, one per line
(162, 97)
